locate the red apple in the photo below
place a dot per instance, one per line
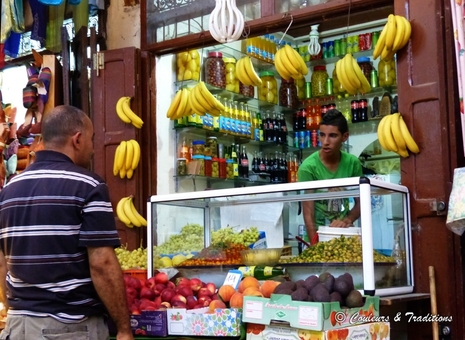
(134, 283)
(211, 287)
(170, 284)
(161, 277)
(165, 304)
(198, 306)
(183, 281)
(150, 282)
(191, 302)
(132, 292)
(159, 287)
(178, 297)
(204, 300)
(215, 297)
(147, 293)
(204, 291)
(167, 294)
(135, 310)
(158, 300)
(147, 305)
(196, 284)
(185, 291)
(179, 304)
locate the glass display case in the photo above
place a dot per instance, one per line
(381, 263)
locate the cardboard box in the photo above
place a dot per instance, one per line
(367, 331)
(223, 322)
(153, 323)
(315, 316)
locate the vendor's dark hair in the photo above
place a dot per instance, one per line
(335, 118)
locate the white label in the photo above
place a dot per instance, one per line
(233, 278)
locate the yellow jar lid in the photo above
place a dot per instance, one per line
(229, 60)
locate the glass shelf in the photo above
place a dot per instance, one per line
(332, 60)
(235, 181)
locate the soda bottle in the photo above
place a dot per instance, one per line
(354, 110)
(184, 149)
(270, 127)
(244, 163)
(276, 128)
(363, 110)
(234, 158)
(255, 162)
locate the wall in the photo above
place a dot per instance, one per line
(123, 25)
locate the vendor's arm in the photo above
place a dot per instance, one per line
(3, 271)
(349, 220)
(107, 277)
(308, 209)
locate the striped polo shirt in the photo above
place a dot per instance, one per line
(49, 215)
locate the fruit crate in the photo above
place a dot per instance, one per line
(140, 274)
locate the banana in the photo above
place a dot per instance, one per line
(121, 156)
(400, 31)
(288, 63)
(129, 173)
(407, 32)
(380, 44)
(381, 139)
(183, 104)
(283, 72)
(115, 163)
(214, 103)
(292, 59)
(196, 107)
(248, 66)
(385, 54)
(136, 158)
(409, 141)
(122, 173)
(129, 156)
(398, 138)
(343, 78)
(172, 110)
(120, 112)
(366, 87)
(201, 100)
(130, 213)
(241, 73)
(350, 72)
(387, 133)
(141, 219)
(188, 110)
(391, 32)
(120, 212)
(303, 66)
(135, 119)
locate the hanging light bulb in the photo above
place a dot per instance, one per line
(226, 21)
(314, 45)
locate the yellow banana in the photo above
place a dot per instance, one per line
(188, 110)
(407, 32)
(120, 111)
(122, 173)
(129, 173)
(115, 162)
(409, 141)
(129, 212)
(303, 66)
(288, 64)
(385, 54)
(121, 155)
(248, 66)
(400, 31)
(387, 133)
(398, 138)
(171, 113)
(139, 217)
(292, 59)
(391, 32)
(136, 158)
(201, 100)
(120, 212)
(196, 107)
(380, 44)
(135, 119)
(381, 135)
(214, 103)
(366, 87)
(283, 72)
(183, 104)
(242, 74)
(348, 67)
(129, 155)
(342, 76)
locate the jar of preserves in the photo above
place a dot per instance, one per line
(300, 85)
(199, 161)
(319, 78)
(215, 73)
(215, 167)
(365, 65)
(222, 167)
(247, 90)
(232, 83)
(212, 145)
(181, 169)
(199, 147)
(268, 91)
(208, 166)
(337, 86)
(229, 168)
(188, 65)
(387, 73)
(288, 94)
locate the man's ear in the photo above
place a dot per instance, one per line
(345, 136)
(76, 138)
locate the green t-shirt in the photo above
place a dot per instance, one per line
(312, 169)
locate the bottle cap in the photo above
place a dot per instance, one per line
(266, 74)
(229, 60)
(363, 60)
(215, 54)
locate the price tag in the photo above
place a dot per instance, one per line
(233, 278)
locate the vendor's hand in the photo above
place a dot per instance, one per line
(344, 223)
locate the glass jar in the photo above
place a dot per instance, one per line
(208, 166)
(199, 147)
(337, 86)
(247, 90)
(319, 78)
(229, 168)
(288, 94)
(199, 161)
(387, 73)
(215, 167)
(365, 65)
(222, 167)
(300, 85)
(181, 169)
(232, 83)
(268, 91)
(215, 73)
(212, 145)
(188, 65)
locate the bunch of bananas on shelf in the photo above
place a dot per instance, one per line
(128, 214)
(394, 135)
(125, 113)
(202, 101)
(127, 156)
(245, 72)
(179, 106)
(350, 75)
(290, 64)
(393, 37)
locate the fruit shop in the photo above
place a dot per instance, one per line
(213, 116)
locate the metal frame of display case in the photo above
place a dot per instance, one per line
(361, 187)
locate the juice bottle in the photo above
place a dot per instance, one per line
(272, 48)
(242, 123)
(248, 122)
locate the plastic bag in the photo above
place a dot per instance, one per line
(456, 212)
